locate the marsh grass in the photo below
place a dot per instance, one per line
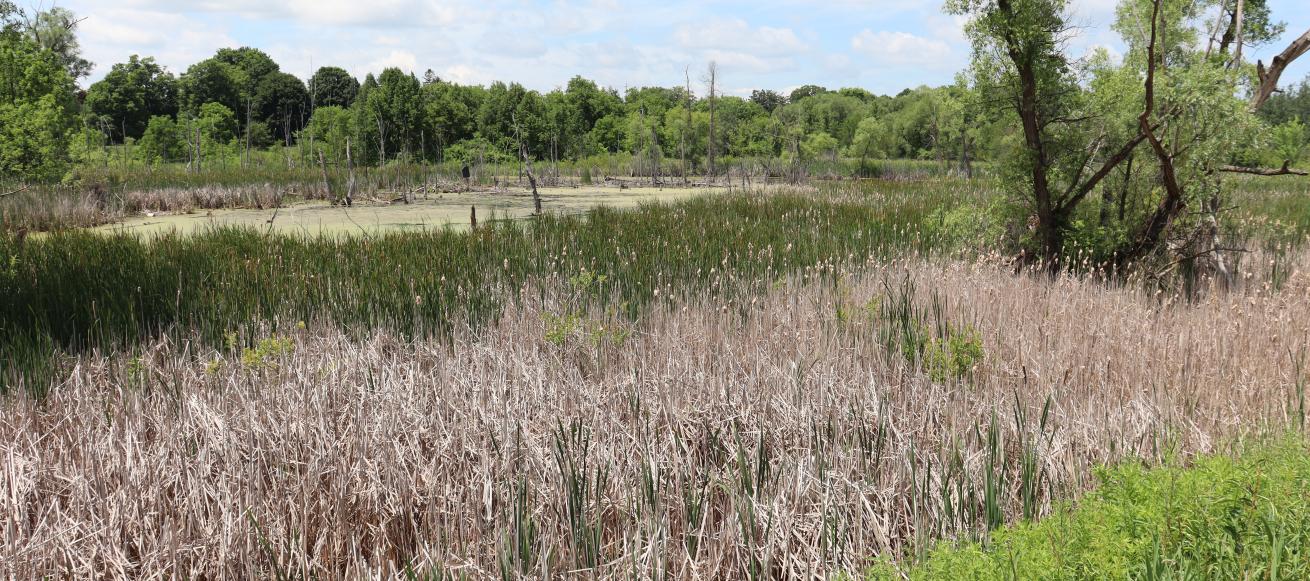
(80, 290)
(710, 444)
(787, 384)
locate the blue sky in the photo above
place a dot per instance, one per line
(881, 45)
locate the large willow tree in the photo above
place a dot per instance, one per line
(1150, 133)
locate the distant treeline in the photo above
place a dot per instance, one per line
(240, 100)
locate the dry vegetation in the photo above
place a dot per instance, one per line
(772, 437)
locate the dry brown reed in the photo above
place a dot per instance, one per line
(766, 438)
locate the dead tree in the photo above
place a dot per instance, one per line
(1269, 76)
(687, 127)
(327, 185)
(527, 165)
(712, 78)
(350, 176)
(249, 106)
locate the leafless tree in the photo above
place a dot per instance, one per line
(712, 80)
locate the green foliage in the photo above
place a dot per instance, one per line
(280, 102)
(768, 100)
(559, 328)
(37, 111)
(266, 353)
(1291, 103)
(972, 228)
(34, 139)
(819, 145)
(328, 131)
(451, 114)
(55, 31)
(472, 151)
(87, 146)
(394, 116)
(130, 96)
(390, 117)
(872, 139)
(217, 123)
(333, 87)
(1289, 142)
(162, 141)
(804, 92)
(953, 356)
(250, 66)
(920, 334)
(210, 81)
(584, 289)
(1219, 518)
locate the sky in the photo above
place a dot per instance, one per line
(880, 45)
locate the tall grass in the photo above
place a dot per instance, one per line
(717, 437)
(78, 290)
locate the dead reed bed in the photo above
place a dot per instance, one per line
(786, 435)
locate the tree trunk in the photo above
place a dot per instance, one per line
(327, 185)
(1239, 17)
(350, 176)
(687, 127)
(1153, 232)
(1048, 227)
(713, 74)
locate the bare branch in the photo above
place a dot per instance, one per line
(1078, 191)
(17, 191)
(1269, 77)
(1264, 171)
(1172, 203)
(1241, 24)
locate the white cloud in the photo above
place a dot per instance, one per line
(330, 12)
(464, 75)
(901, 49)
(738, 36)
(401, 59)
(175, 41)
(1093, 12)
(882, 45)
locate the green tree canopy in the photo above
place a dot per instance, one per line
(768, 100)
(162, 141)
(55, 30)
(333, 87)
(452, 113)
(210, 81)
(251, 67)
(131, 95)
(37, 106)
(806, 91)
(282, 103)
(390, 116)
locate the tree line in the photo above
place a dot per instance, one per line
(240, 99)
